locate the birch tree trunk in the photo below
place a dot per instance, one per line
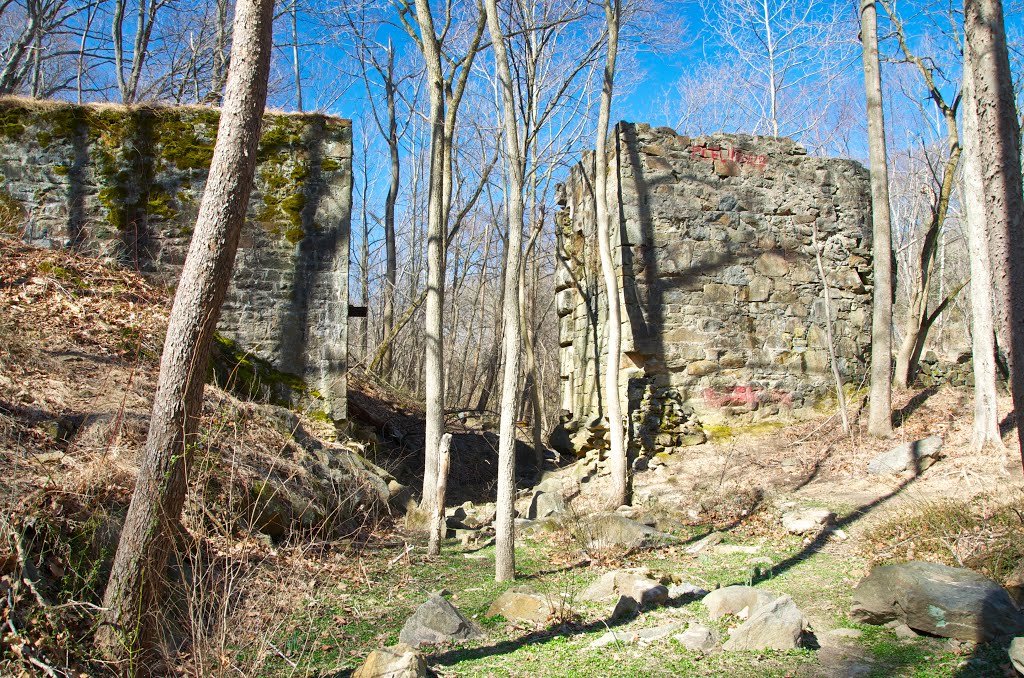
(617, 445)
(880, 399)
(131, 600)
(983, 349)
(504, 551)
(988, 59)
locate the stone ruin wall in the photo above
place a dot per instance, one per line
(125, 184)
(723, 307)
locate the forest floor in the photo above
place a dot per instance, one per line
(78, 356)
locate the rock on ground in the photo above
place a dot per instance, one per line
(697, 637)
(778, 626)
(944, 601)
(917, 455)
(631, 583)
(521, 603)
(612, 529)
(1017, 654)
(806, 520)
(734, 599)
(545, 505)
(437, 621)
(397, 661)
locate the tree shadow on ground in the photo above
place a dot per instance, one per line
(913, 405)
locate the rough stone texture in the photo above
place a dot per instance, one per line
(723, 307)
(801, 521)
(944, 601)
(611, 529)
(634, 584)
(915, 456)
(437, 621)
(521, 604)
(735, 599)
(778, 625)
(125, 184)
(1016, 653)
(697, 637)
(545, 505)
(397, 661)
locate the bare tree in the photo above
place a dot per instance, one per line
(880, 412)
(920, 315)
(986, 415)
(145, 21)
(987, 58)
(136, 579)
(617, 445)
(790, 51)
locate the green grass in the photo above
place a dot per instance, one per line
(353, 619)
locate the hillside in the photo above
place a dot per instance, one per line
(295, 562)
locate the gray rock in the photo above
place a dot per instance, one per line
(708, 541)
(734, 599)
(806, 520)
(686, 590)
(944, 601)
(397, 661)
(698, 637)
(778, 626)
(611, 529)
(916, 456)
(521, 603)
(437, 621)
(625, 608)
(633, 584)
(545, 505)
(658, 632)
(846, 633)
(1016, 653)
(904, 632)
(623, 637)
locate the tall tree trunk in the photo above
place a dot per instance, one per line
(617, 461)
(504, 550)
(391, 265)
(988, 59)
(135, 585)
(880, 400)
(295, 55)
(983, 349)
(433, 381)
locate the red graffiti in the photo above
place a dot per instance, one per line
(746, 396)
(734, 154)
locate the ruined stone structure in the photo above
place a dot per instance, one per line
(125, 184)
(723, 306)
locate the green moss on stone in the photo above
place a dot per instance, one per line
(250, 376)
(329, 165)
(294, 235)
(61, 170)
(12, 121)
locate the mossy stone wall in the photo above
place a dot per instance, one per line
(125, 184)
(723, 310)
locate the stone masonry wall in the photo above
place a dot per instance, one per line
(723, 306)
(125, 184)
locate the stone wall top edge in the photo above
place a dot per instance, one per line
(8, 101)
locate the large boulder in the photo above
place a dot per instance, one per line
(397, 661)
(546, 505)
(611, 529)
(944, 601)
(778, 625)
(631, 583)
(521, 603)
(735, 599)
(437, 621)
(915, 456)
